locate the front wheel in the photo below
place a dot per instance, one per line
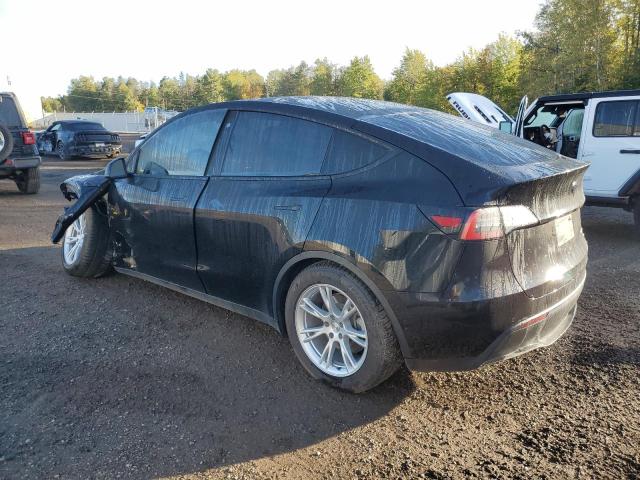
(339, 331)
(85, 247)
(29, 181)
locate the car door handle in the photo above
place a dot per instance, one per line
(293, 208)
(633, 151)
(175, 198)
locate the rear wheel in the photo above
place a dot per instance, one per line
(339, 331)
(29, 181)
(85, 248)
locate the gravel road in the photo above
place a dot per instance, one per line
(118, 378)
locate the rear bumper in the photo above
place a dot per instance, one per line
(11, 165)
(526, 335)
(541, 329)
(93, 151)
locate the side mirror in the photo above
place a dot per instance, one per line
(116, 168)
(505, 126)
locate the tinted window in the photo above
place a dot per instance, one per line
(182, 147)
(348, 152)
(76, 127)
(264, 144)
(8, 112)
(573, 123)
(616, 119)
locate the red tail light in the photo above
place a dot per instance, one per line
(28, 138)
(487, 223)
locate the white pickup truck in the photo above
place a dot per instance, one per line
(602, 128)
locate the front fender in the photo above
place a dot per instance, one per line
(86, 190)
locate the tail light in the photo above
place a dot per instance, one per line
(488, 223)
(28, 138)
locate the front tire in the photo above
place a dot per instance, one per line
(60, 149)
(339, 331)
(85, 246)
(29, 181)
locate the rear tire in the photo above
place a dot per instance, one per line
(29, 181)
(381, 353)
(92, 257)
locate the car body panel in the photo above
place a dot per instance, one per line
(237, 241)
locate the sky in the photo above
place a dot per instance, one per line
(47, 43)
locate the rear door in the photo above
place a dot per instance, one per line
(152, 210)
(263, 195)
(611, 142)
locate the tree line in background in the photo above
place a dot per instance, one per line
(578, 45)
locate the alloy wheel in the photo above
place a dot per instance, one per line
(74, 239)
(331, 330)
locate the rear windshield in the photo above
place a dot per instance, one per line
(9, 113)
(76, 127)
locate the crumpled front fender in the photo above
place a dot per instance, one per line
(87, 190)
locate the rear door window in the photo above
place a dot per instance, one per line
(349, 152)
(617, 119)
(266, 144)
(182, 147)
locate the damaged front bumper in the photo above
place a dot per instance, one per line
(87, 190)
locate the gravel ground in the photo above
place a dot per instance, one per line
(118, 378)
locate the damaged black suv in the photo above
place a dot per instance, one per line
(370, 233)
(19, 159)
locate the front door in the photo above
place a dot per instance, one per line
(151, 212)
(611, 142)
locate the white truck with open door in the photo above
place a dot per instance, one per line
(602, 128)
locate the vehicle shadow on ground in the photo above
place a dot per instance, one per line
(117, 376)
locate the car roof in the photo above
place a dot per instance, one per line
(587, 95)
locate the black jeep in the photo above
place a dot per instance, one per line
(19, 159)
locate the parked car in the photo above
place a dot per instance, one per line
(602, 128)
(78, 138)
(368, 232)
(19, 160)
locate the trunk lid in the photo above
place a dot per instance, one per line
(551, 254)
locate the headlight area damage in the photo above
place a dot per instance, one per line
(86, 190)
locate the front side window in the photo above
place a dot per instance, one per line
(617, 119)
(182, 147)
(266, 144)
(349, 152)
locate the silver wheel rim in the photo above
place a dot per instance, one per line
(74, 239)
(1, 141)
(331, 330)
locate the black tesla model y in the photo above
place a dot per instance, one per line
(370, 233)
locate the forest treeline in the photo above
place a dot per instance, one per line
(577, 45)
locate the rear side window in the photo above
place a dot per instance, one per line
(9, 112)
(617, 119)
(349, 152)
(266, 144)
(181, 147)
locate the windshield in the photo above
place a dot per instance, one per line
(9, 113)
(84, 126)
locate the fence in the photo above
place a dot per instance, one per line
(133, 122)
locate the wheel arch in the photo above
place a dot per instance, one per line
(301, 261)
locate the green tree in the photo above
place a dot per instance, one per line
(360, 80)
(323, 78)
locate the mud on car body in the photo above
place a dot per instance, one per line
(369, 232)
(19, 160)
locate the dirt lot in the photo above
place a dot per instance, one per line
(118, 378)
